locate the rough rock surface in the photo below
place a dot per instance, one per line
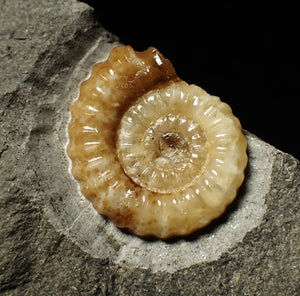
(51, 240)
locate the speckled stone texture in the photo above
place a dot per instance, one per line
(47, 48)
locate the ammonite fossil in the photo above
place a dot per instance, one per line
(155, 155)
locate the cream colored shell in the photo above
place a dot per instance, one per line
(154, 154)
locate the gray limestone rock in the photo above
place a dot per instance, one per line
(52, 240)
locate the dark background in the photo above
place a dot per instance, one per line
(247, 54)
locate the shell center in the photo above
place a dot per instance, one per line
(171, 143)
(166, 156)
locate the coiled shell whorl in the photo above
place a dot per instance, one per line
(154, 154)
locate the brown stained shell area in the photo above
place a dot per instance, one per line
(155, 155)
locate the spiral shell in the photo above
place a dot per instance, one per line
(154, 154)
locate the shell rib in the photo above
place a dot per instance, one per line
(154, 154)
